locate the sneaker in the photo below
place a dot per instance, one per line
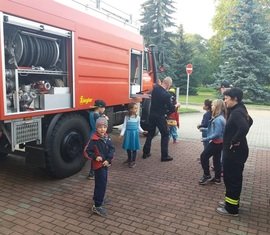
(223, 211)
(106, 201)
(175, 141)
(205, 179)
(126, 162)
(146, 155)
(167, 159)
(132, 164)
(222, 204)
(91, 175)
(216, 181)
(99, 211)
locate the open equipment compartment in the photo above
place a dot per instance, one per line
(38, 66)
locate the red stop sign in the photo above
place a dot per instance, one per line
(189, 69)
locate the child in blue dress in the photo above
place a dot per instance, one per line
(130, 130)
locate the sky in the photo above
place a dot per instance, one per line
(195, 15)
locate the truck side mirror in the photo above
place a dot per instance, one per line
(160, 60)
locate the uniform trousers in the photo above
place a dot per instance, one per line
(160, 122)
(233, 166)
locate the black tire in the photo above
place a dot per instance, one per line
(3, 156)
(64, 156)
(5, 146)
(110, 115)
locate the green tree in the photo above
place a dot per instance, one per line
(157, 24)
(199, 58)
(191, 48)
(182, 56)
(220, 25)
(246, 50)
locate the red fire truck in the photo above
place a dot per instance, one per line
(55, 62)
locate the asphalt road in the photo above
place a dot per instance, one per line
(258, 136)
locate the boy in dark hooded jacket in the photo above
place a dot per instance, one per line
(101, 151)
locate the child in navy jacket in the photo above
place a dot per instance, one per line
(101, 151)
(205, 120)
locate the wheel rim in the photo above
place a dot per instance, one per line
(71, 146)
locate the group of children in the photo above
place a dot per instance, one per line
(100, 150)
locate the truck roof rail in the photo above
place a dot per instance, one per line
(101, 7)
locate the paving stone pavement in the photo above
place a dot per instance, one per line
(152, 198)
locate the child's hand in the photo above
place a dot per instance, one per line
(106, 163)
(98, 158)
(145, 132)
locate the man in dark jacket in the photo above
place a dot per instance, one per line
(161, 106)
(235, 150)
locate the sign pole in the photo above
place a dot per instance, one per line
(189, 69)
(187, 90)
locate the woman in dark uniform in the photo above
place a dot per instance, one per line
(235, 150)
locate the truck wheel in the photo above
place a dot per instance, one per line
(110, 115)
(4, 144)
(3, 156)
(65, 146)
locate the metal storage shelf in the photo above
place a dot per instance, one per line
(25, 72)
(35, 71)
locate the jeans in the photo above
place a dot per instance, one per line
(173, 132)
(101, 175)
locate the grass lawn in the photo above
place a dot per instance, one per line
(207, 93)
(183, 109)
(203, 93)
(257, 106)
